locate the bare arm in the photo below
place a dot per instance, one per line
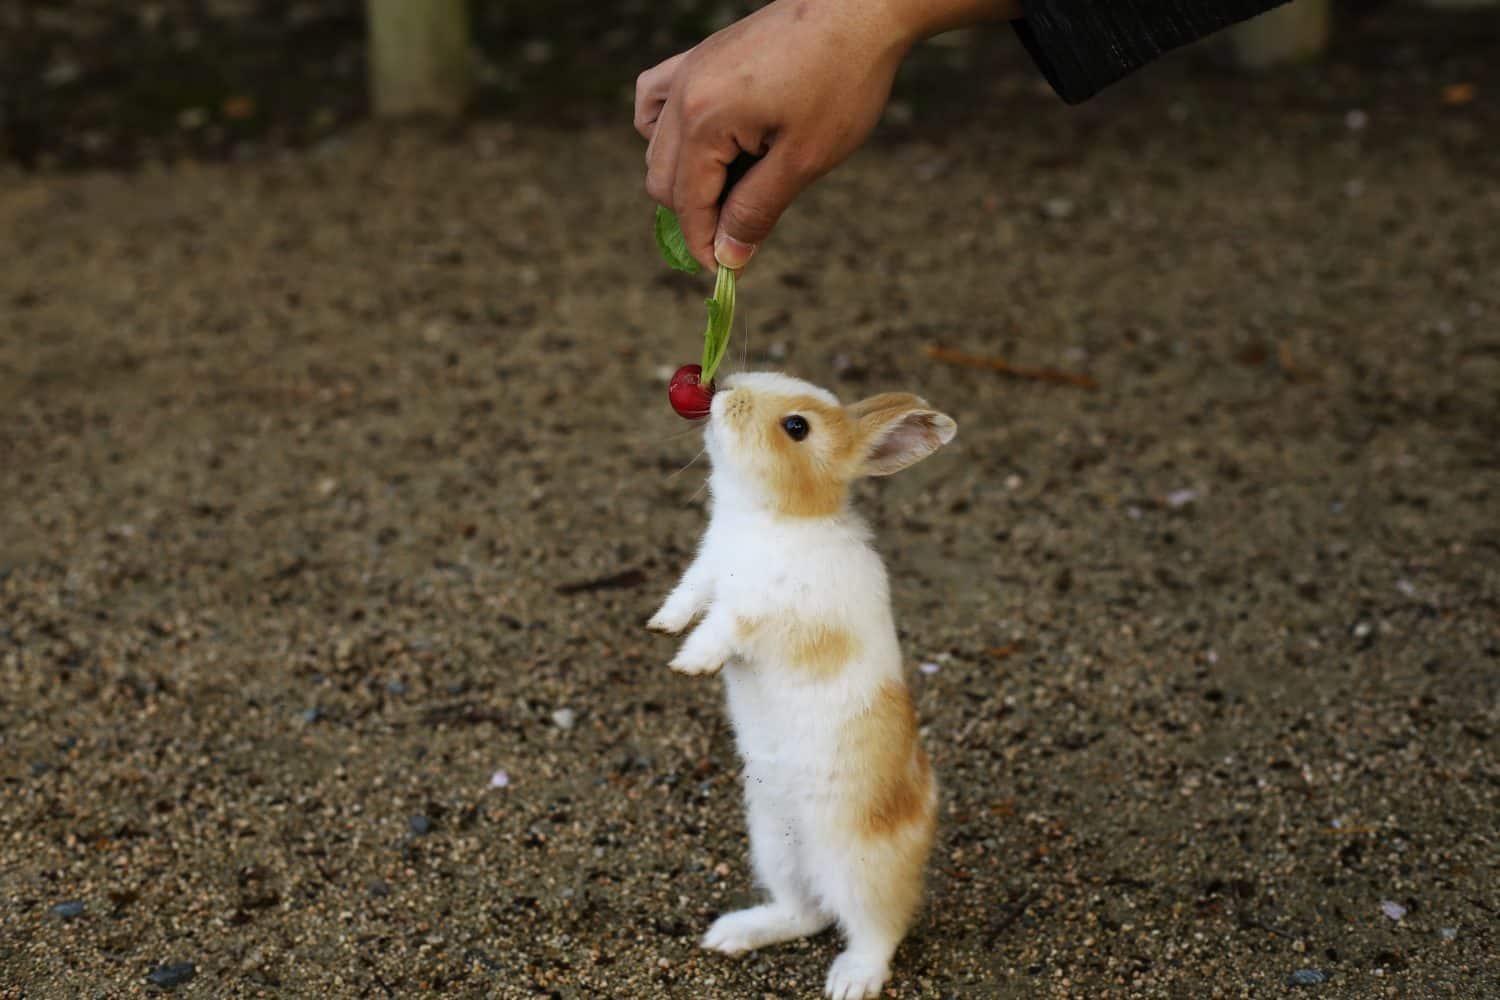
(799, 82)
(802, 82)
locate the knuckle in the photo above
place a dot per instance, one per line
(697, 106)
(750, 220)
(657, 187)
(803, 163)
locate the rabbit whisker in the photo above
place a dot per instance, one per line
(689, 465)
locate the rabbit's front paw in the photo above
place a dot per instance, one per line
(670, 620)
(707, 647)
(696, 662)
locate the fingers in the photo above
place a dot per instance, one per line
(755, 204)
(661, 157)
(651, 90)
(698, 182)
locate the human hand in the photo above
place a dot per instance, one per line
(800, 83)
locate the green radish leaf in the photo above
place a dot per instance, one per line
(671, 242)
(720, 323)
(673, 246)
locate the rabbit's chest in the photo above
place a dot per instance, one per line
(778, 725)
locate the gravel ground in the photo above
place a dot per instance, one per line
(336, 485)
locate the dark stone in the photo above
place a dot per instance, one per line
(1307, 977)
(169, 976)
(72, 908)
(420, 825)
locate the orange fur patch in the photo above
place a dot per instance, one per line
(890, 774)
(884, 402)
(811, 477)
(807, 476)
(820, 651)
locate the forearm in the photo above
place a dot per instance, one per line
(925, 18)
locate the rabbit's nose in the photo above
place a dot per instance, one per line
(731, 405)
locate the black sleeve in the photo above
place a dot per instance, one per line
(1082, 46)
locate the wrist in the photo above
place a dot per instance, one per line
(919, 20)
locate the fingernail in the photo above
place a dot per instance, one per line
(731, 253)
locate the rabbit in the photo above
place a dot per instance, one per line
(795, 612)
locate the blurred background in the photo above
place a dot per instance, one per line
(105, 84)
(337, 477)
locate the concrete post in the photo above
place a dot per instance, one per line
(419, 55)
(1296, 32)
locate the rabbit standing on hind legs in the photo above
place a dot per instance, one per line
(795, 612)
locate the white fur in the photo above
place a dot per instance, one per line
(755, 564)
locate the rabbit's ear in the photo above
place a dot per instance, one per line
(897, 430)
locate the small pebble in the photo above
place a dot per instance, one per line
(72, 908)
(420, 825)
(1178, 499)
(1356, 120)
(168, 976)
(499, 779)
(1392, 909)
(311, 715)
(379, 889)
(537, 51)
(1448, 933)
(564, 718)
(1306, 977)
(928, 667)
(39, 768)
(1057, 208)
(395, 687)
(899, 113)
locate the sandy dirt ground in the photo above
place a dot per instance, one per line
(335, 483)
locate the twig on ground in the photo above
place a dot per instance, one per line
(623, 580)
(950, 356)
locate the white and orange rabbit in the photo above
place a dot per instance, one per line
(796, 612)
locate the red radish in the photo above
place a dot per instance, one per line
(690, 398)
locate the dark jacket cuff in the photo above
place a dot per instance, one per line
(1082, 46)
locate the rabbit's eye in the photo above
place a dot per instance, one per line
(796, 427)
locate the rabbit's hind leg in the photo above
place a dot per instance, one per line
(873, 889)
(776, 851)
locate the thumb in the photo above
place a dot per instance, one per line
(752, 209)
